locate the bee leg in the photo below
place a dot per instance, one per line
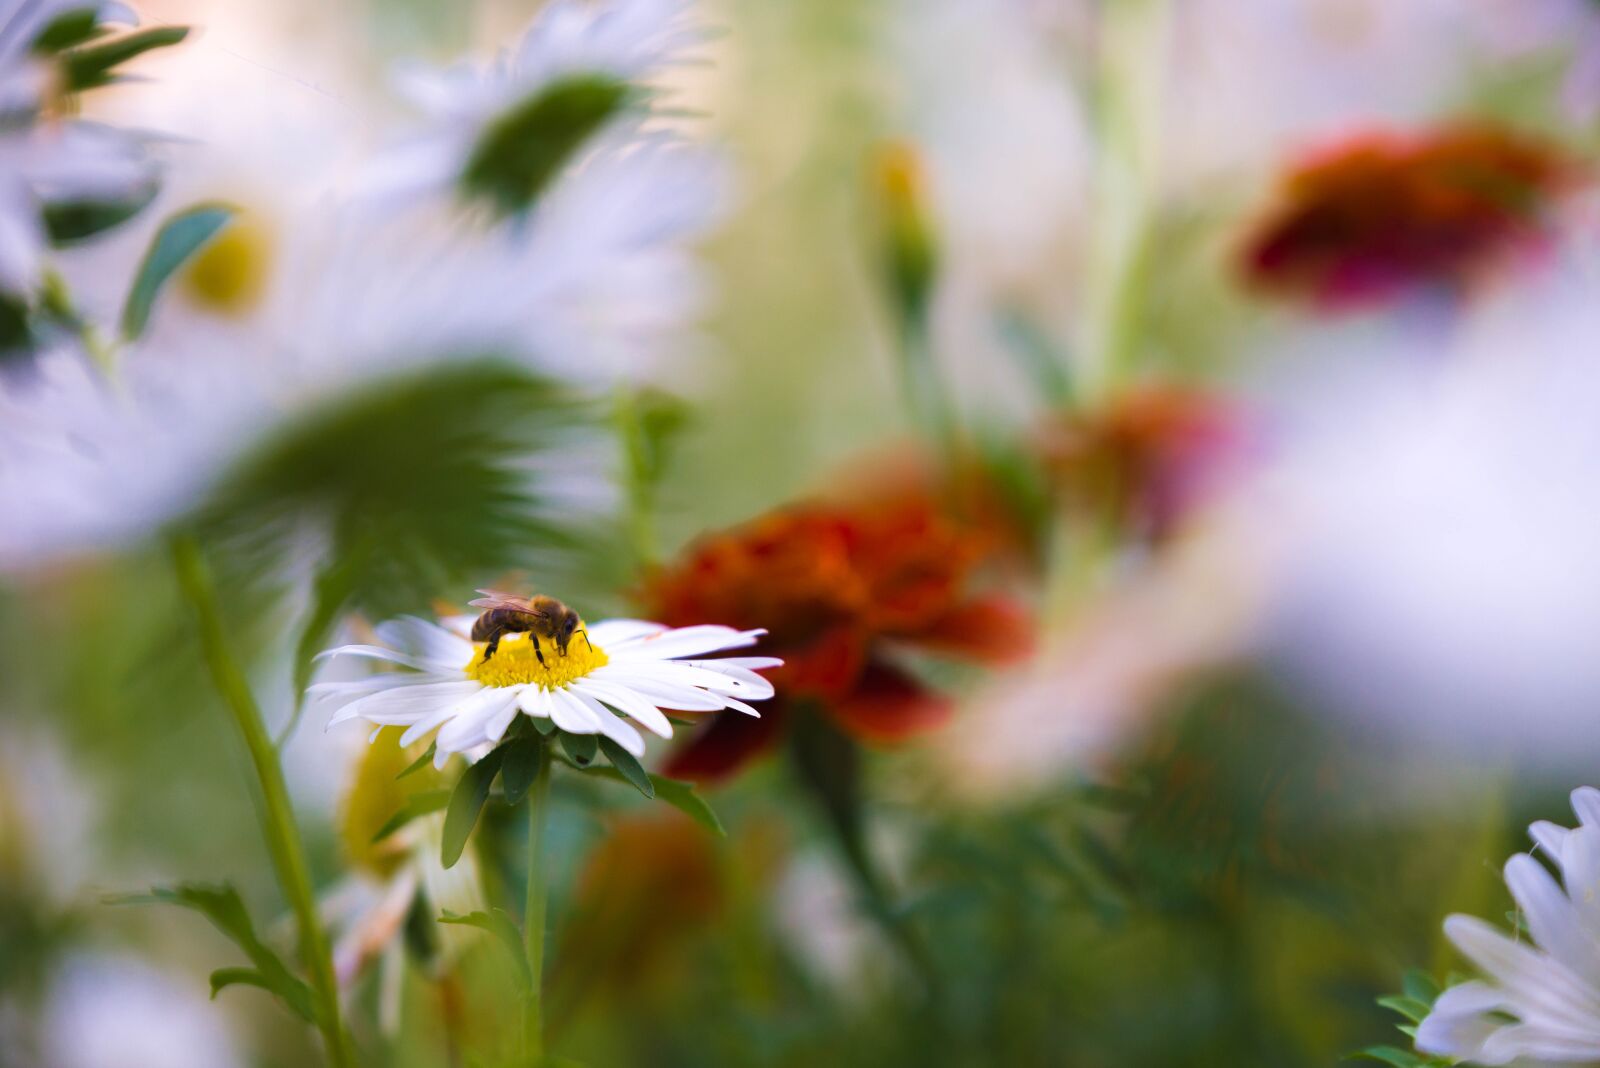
(538, 652)
(494, 643)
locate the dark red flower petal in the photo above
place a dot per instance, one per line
(991, 630)
(889, 706)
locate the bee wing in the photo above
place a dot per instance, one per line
(501, 599)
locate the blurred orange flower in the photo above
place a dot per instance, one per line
(839, 586)
(1380, 213)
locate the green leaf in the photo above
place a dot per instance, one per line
(580, 747)
(1388, 1055)
(91, 66)
(681, 796)
(1420, 985)
(416, 805)
(179, 238)
(421, 762)
(67, 30)
(224, 908)
(675, 792)
(522, 152)
(1410, 1008)
(519, 768)
(70, 221)
(629, 767)
(498, 923)
(471, 791)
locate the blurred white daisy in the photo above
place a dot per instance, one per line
(615, 666)
(391, 875)
(105, 1011)
(44, 158)
(1430, 545)
(1540, 1001)
(622, 43)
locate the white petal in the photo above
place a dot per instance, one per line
(684, 673)
(686, 641)
(1552, 920)
(1550, 837)
(427, 642)
(618, 730)
(609, 632)
(1459, 1022)
(404, 704)
(662, 694)
(466, 728)
(627, 702)
(532, 701)
(1586, 803)
(1535, 983)
(571, 714)
(495, 728)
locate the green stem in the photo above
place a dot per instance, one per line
(533, 919)
(929, 403)
(639, 482)
(277, 816)
(1133, 60)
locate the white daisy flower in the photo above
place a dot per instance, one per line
(44, 159)
(624, 666)
(626, 40)
(1541, 1002)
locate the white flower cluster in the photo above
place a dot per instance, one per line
(264, 280)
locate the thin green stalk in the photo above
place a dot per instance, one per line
(277, 816)
(929, 402)
(533, 919)
(640, 480)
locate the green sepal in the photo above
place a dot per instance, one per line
(580, 747)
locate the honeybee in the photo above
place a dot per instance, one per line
(538, 616)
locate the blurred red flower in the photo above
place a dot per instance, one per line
(1380, 213)
(1147, 458)
(839, 586)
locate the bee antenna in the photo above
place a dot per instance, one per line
(585, 632)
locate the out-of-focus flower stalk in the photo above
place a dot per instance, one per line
(1133, 52)
(910, 250)
(277, 815)
(1133, 47)
(639, 482)
(533, 917)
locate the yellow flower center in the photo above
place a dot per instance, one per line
(516, 661)
(228, 275)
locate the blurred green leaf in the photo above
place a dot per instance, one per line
(498, 923)
(421, 762)
(70, 221)
(225, 909)
(92, 65)
(1410, 1008)
(1389, 1055)
(420, 804)
(1044, 363)
(628, 766)
(523, 151)
(1421, 986)
(466, 801)
(182, 235)
(420, 484)
(68, 29)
